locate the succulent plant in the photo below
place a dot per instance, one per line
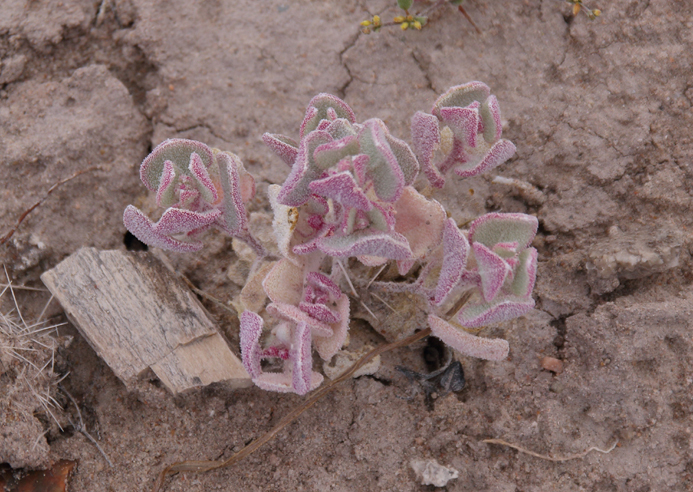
(462, 133)
(350, 193)
(199, 188)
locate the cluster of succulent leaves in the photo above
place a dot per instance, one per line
(349, 193)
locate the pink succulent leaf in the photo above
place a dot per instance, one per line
(234, 220)
(503, 308)
(306, 248)
(325, 284)
(284, 282)
(251, 331)
(506, 250)
(360, 163)
(405, 158)
(295, 191)
(482, 348)
(455, 252)
(145, 230)
(180, 221)
(318, 108)
(461, 96)
(456, 156)
(300, 355)
(495, 228)
(492, 269)
(205, 185)
(282, 382)
(383, 168)
(275, 352)
(342, 188)
(285, 147)
(390, 245)
(525, 273)
(319, 312)
(372, 261)
(491, 118)
(329, 154)
(381, 218)
(293, 313)
(464, 122)
(403, 266)
(425, 135)
(176, 150)
(340, 128)
(420, 220)
(166, 193)
(500, 152)
(328, 346)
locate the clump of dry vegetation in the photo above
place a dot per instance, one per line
(27, 381)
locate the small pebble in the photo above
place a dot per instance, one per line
(552, 364)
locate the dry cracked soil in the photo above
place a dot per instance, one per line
(601, 115)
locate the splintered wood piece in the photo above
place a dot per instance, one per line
(136, 314)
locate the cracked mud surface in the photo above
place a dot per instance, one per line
(601, 115)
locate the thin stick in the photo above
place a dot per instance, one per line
(376, 275)
(23, 287)
(7, 236)
(550, 458)
(210, 297)
(384, 302)
(203, 466)
(369, 311)
(466, 15)
(82, 428)
(353, 291)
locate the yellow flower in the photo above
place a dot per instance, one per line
(404, 26)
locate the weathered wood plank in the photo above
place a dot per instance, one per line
(136, 314)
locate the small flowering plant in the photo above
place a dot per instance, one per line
(350, 193)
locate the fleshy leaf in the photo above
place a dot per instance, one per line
(476, 315)
(455, 252)
(323, 283)
(319, 312)
(283, 223)
(493, 270)
(301, 372)
(342, 188)
(328, 346)
(295, 189)
(285, 147)
(282, 382)
(284, 283)
(491, 117)
(525, 273)
(166, 193)
(500, 152)
(468, 344)
(251, 331)
(383, 168)
(174, 219)
(425, 135)
(405, 158)
(462, 96)
(419, 220)
(205, 185)
(367, 242)
(329, 154)
(494, 228)
(176, 150)
(293, 313)
(235, 220)
(318, 109)
(464, 122)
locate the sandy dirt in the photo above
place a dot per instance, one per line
(601, 114)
